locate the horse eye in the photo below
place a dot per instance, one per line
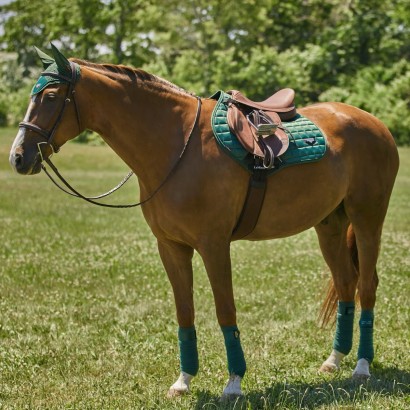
(51, 96)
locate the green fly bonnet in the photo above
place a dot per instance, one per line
(59, 70)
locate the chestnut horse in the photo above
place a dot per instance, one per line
(147, 121)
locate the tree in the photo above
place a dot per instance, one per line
(256, 46)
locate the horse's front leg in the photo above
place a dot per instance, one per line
(217, 260)
(177, 260)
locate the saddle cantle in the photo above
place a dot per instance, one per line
(258, 125)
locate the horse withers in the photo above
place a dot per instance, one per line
(148, 122)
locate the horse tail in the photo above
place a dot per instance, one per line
(329, 305)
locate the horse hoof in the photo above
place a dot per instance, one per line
(328, 368)
(181, 386)
(225, 398)
(233, 389)
(172, 393)
(361, 372)
(361, 378)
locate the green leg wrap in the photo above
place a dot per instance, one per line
(344, 327)
(188, 351)
(234, 352)
(366, 350)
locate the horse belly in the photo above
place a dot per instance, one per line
(300, 197)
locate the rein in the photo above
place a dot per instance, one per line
(49, 136)
(91, 199)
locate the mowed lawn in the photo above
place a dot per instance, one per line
(87, 318)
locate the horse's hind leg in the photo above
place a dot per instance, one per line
(335, 236)
(367, 224)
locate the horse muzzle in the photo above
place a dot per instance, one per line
(19, 163)
(25, 161)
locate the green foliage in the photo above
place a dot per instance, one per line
(89, 137)
(318, 47)
(14, 90)
(385, 92)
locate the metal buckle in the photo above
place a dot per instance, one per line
(41, 152)
(265, 126)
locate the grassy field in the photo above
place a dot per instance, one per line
(87, 319)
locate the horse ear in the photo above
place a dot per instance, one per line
(45, 59)
(63, 64)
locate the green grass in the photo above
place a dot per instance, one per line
(87, 318)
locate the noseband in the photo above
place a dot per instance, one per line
(70, 94)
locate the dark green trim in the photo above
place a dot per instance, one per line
(344, 327)
(234, 352)
(188, 350)
(366, 349)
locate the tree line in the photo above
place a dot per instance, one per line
(356, 51)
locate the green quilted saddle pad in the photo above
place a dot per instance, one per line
(306, 141)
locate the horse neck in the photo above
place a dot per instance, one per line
(145, 122)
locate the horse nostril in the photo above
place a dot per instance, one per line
(18, 161)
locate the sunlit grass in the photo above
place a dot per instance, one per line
(87, 317)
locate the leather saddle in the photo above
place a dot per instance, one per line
(258, 125)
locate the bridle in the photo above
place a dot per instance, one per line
(70, 94)
(49, 136)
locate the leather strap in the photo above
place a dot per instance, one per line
(49, 134)
(253, 205)
(75, 193)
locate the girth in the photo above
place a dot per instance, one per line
(253, 205)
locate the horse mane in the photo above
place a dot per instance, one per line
(123, 72)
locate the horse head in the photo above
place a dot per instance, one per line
(52, 116)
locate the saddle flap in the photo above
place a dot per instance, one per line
(248, 135)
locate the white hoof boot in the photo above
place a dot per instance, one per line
(362, 370)
(233, 388)
(332, 363)
(181, 386)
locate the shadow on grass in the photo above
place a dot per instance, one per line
(384, 383)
